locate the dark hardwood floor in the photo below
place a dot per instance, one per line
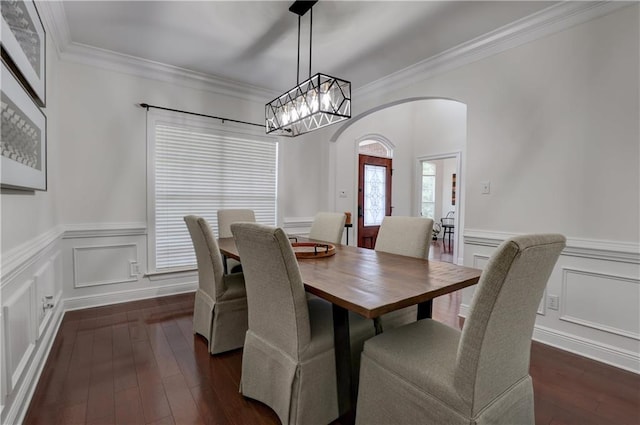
(139, 363)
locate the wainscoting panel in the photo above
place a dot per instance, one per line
(29, 272)
(3, 374)
(19, 321)
(104, 264)
(44, 287)
(297, 225)
(480, 262)
(80, 266)
(597, 284)
(584, 293)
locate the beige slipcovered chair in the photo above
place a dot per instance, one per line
(408, 236)
(225, 218)
(288, 361)
(428, 372)
(328, 227)
(220, 308)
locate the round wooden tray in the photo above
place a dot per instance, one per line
(313, 249)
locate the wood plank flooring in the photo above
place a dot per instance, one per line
(139, 363)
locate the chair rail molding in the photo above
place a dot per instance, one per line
(625, 252)
(19, 258)
(97, 230)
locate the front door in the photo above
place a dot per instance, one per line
(374, 197)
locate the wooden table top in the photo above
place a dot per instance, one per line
(372, 283)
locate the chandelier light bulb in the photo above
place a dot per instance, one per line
(315, 103)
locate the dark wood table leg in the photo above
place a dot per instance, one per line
(342, 341)
(425, 310)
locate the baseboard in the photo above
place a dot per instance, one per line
(603, 353)
(129, 295)
(584, 347)
(18, 409)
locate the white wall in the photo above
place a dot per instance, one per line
(552, 124)
(416, 129)
(31, 269)
(104, 133)
(26, 215)
(448, 170)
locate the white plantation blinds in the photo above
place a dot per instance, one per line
(198, 171)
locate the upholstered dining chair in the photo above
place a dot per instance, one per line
(220, 308)
(428, 372)
(328, 227)
(408, 236)
(448, 226)
(288, 361)
(225, 218)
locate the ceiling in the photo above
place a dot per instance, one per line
(255, 42)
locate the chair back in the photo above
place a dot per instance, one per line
(208, 257)
(408, 236)
(278, 310)
(328, 227)
(495, 343)
(449, 219)
(228, 216)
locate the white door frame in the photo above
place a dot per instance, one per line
(458, 222)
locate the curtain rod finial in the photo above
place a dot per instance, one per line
(144, 105)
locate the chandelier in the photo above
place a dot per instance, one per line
(319, 101)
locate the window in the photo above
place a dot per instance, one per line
(374, 194)
(196, 167)
(428, 189)
(374, 148)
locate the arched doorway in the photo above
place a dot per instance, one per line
(419, 127)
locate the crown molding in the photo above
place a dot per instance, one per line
(548, 21)
(55, 21)
(624, 252)
(541, 24)
(126, 64)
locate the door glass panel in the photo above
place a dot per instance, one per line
(374, 194)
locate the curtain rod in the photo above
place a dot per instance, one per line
(147, 106)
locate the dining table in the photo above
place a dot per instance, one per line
(370, 283)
